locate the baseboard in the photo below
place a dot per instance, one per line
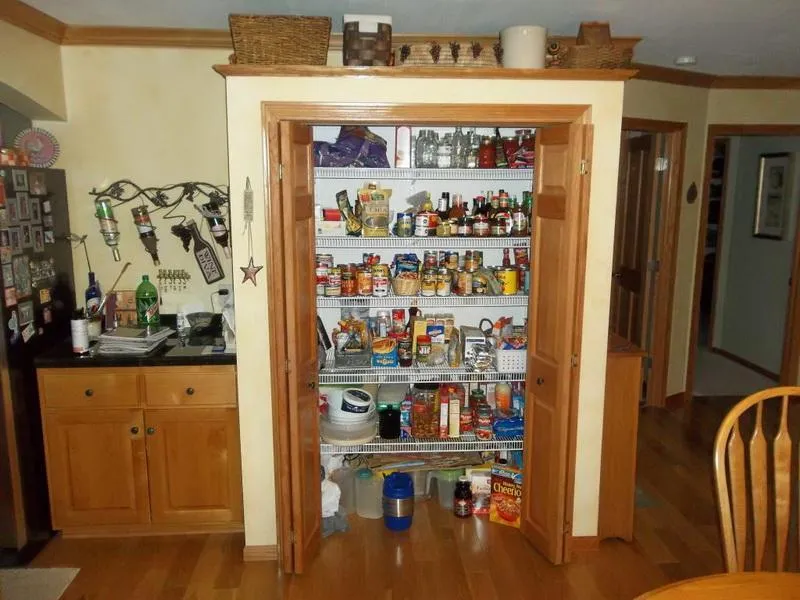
(746, 363)
(145, 530)
(585, 543)
(675, 401)
(260, 553)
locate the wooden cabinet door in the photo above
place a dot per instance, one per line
(633, 238)
(555, 302)
(96, 467)
(301, 407)
(194, 463)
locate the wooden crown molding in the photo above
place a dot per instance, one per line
(707, 80)
(32, 20)
(670, 75)
(755, 82)
(161, 37)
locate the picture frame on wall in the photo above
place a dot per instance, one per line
(19, 180)
(772, 195)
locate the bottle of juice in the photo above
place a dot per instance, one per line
(146, 303)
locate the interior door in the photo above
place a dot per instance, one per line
(297, 198)
(630, 301)
(561, 194)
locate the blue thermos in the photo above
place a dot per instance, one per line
(398, 501)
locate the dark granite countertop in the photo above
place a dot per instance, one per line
(61, 356)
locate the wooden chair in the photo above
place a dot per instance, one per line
(742, 469)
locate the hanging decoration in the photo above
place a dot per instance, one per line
(204, 254)
(251, 270)
(216, 224)
(147, 234)
(109, 227)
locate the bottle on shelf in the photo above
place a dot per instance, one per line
(500, 161)
(93, 299)
(443, 208)
(457, 210)
(506, 257)
(146, 303)
(519, 220)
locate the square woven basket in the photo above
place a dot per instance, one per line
(280, 39)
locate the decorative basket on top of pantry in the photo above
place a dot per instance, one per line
(279, 39)
(449, 54)
(595, 50)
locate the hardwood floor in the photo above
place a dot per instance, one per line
(441, 557)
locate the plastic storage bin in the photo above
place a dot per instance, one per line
(398, 501)
(420, 479)
(345, 478)
(369, 495)
(446, 486)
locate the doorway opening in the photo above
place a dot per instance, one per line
(645, 240)
(744, 321)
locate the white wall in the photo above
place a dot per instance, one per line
(152, 115)
(247, 159)
(757, 269)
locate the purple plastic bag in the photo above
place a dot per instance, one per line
(356, 146)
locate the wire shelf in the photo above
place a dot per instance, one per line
(473, 243)
(392, 301)
(358, 375)
(427, 174)
(466, 443)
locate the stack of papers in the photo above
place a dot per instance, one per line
(132, 341)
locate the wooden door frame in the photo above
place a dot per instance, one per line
(667, 250)
(320, 113)
(791, 337)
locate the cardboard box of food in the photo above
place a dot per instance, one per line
(384, 352)
(505, 506)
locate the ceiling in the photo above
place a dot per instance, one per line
(729, 37)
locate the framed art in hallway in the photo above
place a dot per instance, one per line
(774, 171)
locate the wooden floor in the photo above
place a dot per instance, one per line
(441, 557)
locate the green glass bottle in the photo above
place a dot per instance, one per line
(146, 303)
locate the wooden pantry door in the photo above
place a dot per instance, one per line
(297, 208)
(562, 185)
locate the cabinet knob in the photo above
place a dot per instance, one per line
(151, 430)
(312, 385)
(89, 393)
(134, 430)
(539, 380)
(190, 391)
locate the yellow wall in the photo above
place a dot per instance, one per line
(152, 115)
(247, 160)
(30, 74)
(755, 107)
(667, 102)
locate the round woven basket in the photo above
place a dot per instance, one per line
(405, 286)
(280, 39)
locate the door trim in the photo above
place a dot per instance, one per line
(791, 337)
(667, 250)
(273, 113)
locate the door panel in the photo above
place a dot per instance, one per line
(194, 463)
(561, 195)
(301, 341)
(629, 302)
(96, 467)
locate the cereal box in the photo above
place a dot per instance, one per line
(481, 485)
(505, 505)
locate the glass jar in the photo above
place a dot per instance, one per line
(444, 152)
(474, 148)
(423, 418)
(419, 148)
(458, 157)
(486, 154)
(405, 354)
(423, 350)
(430, 148)
(483, 421)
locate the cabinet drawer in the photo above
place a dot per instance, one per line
(89, 388)
(190, 386)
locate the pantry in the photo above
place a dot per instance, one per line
(554, 305)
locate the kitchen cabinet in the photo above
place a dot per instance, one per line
(158, 452)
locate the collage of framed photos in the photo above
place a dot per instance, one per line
(26, 226)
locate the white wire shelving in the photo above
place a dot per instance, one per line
(466, 443)
(472, 243)
(360, 375)
(425, 174)
(392, 301)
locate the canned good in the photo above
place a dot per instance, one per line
(398, 320)
(463, 282)
(451, 260)
(428, 283)
(444, 282)
(425, 224)
(470, 264)
(477, 256)
(349, 287)
(364, 282)
(322, 280)
(381, 270)
(524, 278)
(380, 285)
(324, 260)
(480, 284)
(370, 259)
(521, 256)
(430, 259)
(464, 227)
(334, 285)
(480, 226)
(405, 225)
(509, 280)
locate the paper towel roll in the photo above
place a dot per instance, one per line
(523, 46)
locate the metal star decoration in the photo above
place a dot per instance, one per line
(250, 271)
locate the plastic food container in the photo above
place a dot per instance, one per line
(420, 479)
(398, 501)
(345, 478)
(369, 495)
(446, 486)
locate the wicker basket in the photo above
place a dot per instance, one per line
(454, 54)
(280, 39)
(597, 57)
(405, 286)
